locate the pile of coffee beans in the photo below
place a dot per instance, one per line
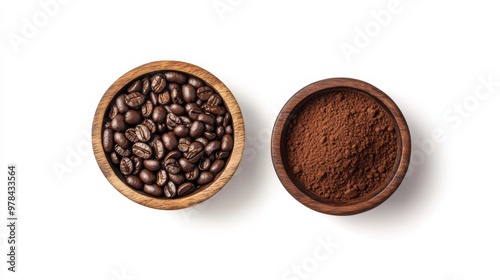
(168, 134)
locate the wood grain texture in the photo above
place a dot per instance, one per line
(366, 202)
(206, 191)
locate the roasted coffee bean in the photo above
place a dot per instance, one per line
(221, 154)
(188, 93)
(114, 158)
(118, 123)
(120, 103)
(158, 83)
(153, 189)
(169, 140)
(162, 128)
(126, 166)
(137, 164)
(195, 82)
(219, 120)
(204, 164)
(177, 178)
(217, 166)
(186, 166)
(183, 145)
(177, 109)
(216, 110)
(202, 140)
(151, 164)
(199, 102)
(142, 132)
(133, 117)
(229, 129)
(226, 143)
(120, 139)
(214, 100)
(209, 128)
(209, 135)
(173, 121)
(158, 148)
(121, 151)
(142, 150)
(153, 96)
(135, 99)
(205, 178)
(134, 181)
(227, 119)
(176, 95)
(131, 135)
(196, 130)
(147, 176)
(113, 112)
(147, 109)
(159, 114)
(175, 154)
(146, 86)
(194, 149)
(150, 124)
(193, 174)
(108, 142)
(185, 121)
(170, 190)
(191, 106)
(161, 177)
(204, 93)
(181, 131)
(136, 86)
(220, 131)
(176, 77)
(172, 166)
(171, 86)
(212, 147)
(194, 112)
(185, 188)
(206, 118)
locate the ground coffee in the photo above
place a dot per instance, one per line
(341, 145)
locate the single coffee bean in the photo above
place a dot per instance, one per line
(220, 131)
(172, 85)
(151, 164)
(205, 178)
(158, 83)
(113, 112)
(212, 147)
(188, 93)
(164, 97)
(150, 124)
(214, 100)
(194, 149)
(177, 109)
(229, 129)
(206, 118)
(216, 110)
(172, 166)
(185, 188)
(185, 121)
(183, 145)
(143, 132)
(120, 139)
(202, 140)
(217, 166)
(133, 117)
(181, 131)
(204, 93)
(121, 151)
(194, 112)
(186, 166)
(209, 135)
(114, 158)
(227, 119)
(135, 99)
(173, 121)
(196, 130)
(146, 86)
(195, 82)
(118, 123)
(219, 120)
(147, 176)
(136, 86)
(175, 154)
(176, 77)
(159, 114)
(176, 95)
(176, 178)
(126, 166)
(120, 103)
(137, 164)
(153, 189)
(193, 174)
(221, 154)
(134, 181)
(170, 190)
(158, 148)
(142, 150)
(147, 109)
(131, 135)
(108, 142)
(153, 96)
(204, 164)
(161, 177)
(169, 140)
(226, 143)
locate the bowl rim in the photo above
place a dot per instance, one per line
(199, 196)
(334, 84)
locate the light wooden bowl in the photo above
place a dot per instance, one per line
(358, 205)
(205, 192)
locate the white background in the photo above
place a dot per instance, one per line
(442, 223)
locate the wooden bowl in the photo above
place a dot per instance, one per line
(356, 205)
(205, 192)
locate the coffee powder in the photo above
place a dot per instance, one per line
(341, 145)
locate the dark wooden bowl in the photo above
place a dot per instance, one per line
(205, 192)
(357, 205)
